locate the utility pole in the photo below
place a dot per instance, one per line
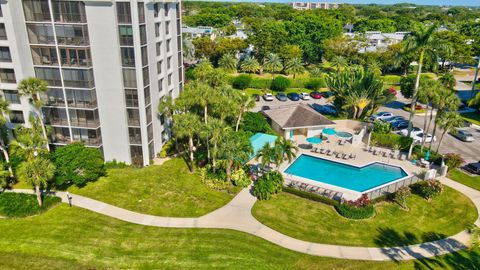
(475, 78)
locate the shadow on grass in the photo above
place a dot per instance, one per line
(397, 244)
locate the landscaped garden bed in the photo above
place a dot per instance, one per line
(17, 205)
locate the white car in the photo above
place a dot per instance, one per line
(419, 137)
(268, 97)
(304, 96)
(381, 116)
(415, 131)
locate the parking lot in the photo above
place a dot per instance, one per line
(277, 103)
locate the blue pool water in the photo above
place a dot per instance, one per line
(345, 176)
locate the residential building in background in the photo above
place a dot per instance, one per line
(108, 64)
(376, 40)
(314, 5)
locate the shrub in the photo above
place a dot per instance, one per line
(168, 149)
(254, 122)
(241, 82)
(268, 185)
(310, 196)
(240, 178)
(260, 83)
(115, 164)
(280, 84)
(77, 164)
(392, 140)
(381, 127)
(22, 205)
(314, 84)
(401, 196)
(359, 209)
(435, 157)
(214, 180)
(430, 189)
(453, 160)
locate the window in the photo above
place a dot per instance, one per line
(78, 78)
(128, 57)
(131, 97)
(157, 29)
(169, 79)
(151, 151)
(144, 56)
(5, 54)
(129, 78)
(159, 48)
(54, 97)
(36, 10)
(168, 45)
(77, 98)
(146, 94)
(166, 9)
(74, 57)
(7, 75)
(136, 155)
(146, 77)
(3, 33)
(11, 96)
(55, 116)
(156, 8)
(126, 35)
(50, 75)
(84, 118)
(16, 117)
(60, 135)
(69, 11)
(143, 35)
(124, 14)
(160, 85)
(169, 62)
(141, 12)
(133, 117)
(150, 132)
(167, 28)
(91, 137)
(159, 66)
(40, 33)
(45, 56)
(135, 135)
(71, 34)
(148, 113)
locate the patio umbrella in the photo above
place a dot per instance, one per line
(291, 134)
(329, 131)
(314, 140)
(427, 155)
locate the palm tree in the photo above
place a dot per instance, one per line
(187, 126)
(448, 121)
(29, 142)
(427, 94)
(250, 65)
(339, 62)
(272, 63)
(294, 66)
(235, 149)
(228, 62)
(315, 72)
(216, 129)
(266, 155)
(32, 88)
(448, 80)
(3, 145)
(374, 67)
(423, 43)
(245, 102)
(475, 100)
(287, 148)
(37, 172)
(446, 100)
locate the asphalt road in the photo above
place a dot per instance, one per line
(470, 151)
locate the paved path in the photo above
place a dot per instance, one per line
(236, 215)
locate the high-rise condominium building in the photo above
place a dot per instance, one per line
(108, 63)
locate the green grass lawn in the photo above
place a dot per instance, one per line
(473, 117)
(445, 215)
(463, 178)
(74, 238)
(21, 205)
(166, 190)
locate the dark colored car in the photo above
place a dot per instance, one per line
(399, 125)
(256, 97)
(316, 95)
(265, 108)
(473, 167)
(293, 96)
(324, 109)
(327, 94)
(282, 97)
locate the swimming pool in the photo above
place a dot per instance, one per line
(346, 176)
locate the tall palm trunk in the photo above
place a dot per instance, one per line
(205, 117)
(190, 149)
(228, 169)
(426, 127)
(38, 111)
(7, 158)
(441, 139)
(214, 158)
(39, 195)
(434, 130)
(415, 93)
(239, 119)
(359, 113)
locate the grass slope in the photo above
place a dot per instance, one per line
(73, 238)
(463, 178)
(473, 117)
(166, 190)
(445, 215)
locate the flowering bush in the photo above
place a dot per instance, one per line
(401, 196)
(358, 209)
(453, 161)
(431, 188)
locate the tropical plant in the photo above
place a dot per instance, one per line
(32, 88)
(444, 100)
(272, 63)
(5, 177)
(268, 185)
(280, 84)
(235, 148)
(374, 67)
(37, 171)
(338, 63)
(77, 164)
(401, 196)
(228, 62)
(250, 65)
(245, 102)
(294, 67)
(286, 148)
(216, 129)
(431, 188)
(423, 42)
(448, 121)
(3, 136)
(315, 72)
(240, 178)
(241, 81)
(448, 80)
(254, 122)
(381, 127)
(314, 84)
(29, 142)
(266, 155)
(186, 126)
(453, 161)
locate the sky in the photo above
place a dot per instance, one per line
(418, 2)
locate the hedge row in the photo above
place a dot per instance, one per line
(23, 205)
(310, 196)
(266, 83)
(355, 213)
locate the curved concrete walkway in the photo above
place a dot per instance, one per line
(236, 215)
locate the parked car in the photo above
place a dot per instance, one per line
(393, 119)
(256, 97)
(463, 135)
(473, 167)
(381, 116)
(265, 108)
(304, 96)
(327, 94)
(281, 96)
(316, 95)
(419, 137)
(293, 96)
(324, 109)
(415, 131)
(268, 97)
(399, 125)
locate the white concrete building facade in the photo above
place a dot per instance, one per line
(108, 64)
